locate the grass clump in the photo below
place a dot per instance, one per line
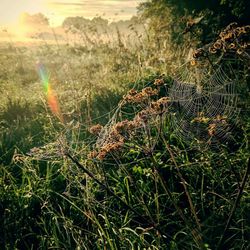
(141, 160)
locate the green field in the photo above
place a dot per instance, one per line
(137, 142)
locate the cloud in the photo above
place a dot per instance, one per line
(68, 4)
(89, 8)
(98, 3)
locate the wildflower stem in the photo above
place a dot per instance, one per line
(90, 174)
(183, 182)
(195, 233)
(240, 191)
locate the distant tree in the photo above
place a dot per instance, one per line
(99, 21)
(182, 16)
(34, 20)
(77, 22)
(97, 24)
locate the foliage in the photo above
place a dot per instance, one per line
(129, 182)
(202, 19)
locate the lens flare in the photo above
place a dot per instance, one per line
(51, 96)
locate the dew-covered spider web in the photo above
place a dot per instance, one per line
(202, 111)
(204, 105)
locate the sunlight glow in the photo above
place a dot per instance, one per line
(58, 10)
(10, 10)
(24, 19)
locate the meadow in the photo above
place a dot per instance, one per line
(138, 143)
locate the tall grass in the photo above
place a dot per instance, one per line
(154, 192)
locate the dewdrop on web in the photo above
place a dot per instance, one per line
(51, 96)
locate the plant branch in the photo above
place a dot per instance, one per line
(111, 192)
(183, 182)
(195, 233)
(239, 195)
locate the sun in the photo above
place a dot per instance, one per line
(10, 10)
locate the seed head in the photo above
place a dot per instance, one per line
(96, 129)
(159, 82)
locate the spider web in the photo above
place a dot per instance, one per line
(204, 105)
(203, 108)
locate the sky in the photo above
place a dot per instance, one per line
(58, 10)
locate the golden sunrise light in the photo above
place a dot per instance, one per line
(124, 124)
(10, 10)
(20, 17)
(110, 9)
(58, 10)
